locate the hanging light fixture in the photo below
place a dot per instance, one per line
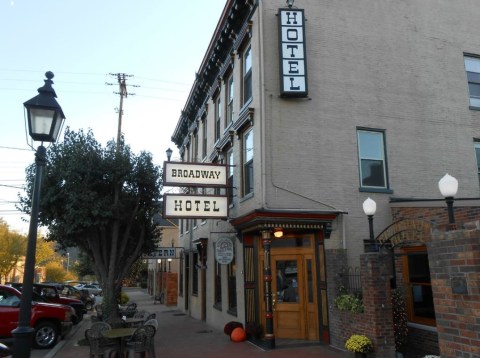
(278, 232)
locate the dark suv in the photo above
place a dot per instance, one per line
(86, 297)
(49, 293)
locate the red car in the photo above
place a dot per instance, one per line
(50, 321)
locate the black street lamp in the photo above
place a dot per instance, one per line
(45, 119)
(169, 153)
(448, 186)
(369, 208)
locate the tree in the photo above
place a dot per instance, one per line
(55, 272)
(101, 200)
(45, 252)
(13, 248)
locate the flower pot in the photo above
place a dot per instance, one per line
(360, 355)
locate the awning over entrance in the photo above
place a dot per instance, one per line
(261, 219)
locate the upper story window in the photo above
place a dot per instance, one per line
(218, 117)
(195, 146)
(372, 162)
(204, 138)
(230, 94)
(477, 155)
(472, 67)
(230, 176)
(247, 75)
(248, 162)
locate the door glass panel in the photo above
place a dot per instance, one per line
(287, 281)
(309, 281)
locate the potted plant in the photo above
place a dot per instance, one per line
(359, 344)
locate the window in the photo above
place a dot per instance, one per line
(477, 154)
(416, 276)
(195, 146)
(195, 274)
(371, 153)
(218, 286)
(232, 285)
(247, 75)
(204, 135)
(230, 177)
(230, 92)
(472, 67)
(248, 162)
(218, 117)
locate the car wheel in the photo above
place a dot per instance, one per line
(46, 335)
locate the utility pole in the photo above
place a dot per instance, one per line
(122, 85)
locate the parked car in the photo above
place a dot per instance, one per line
(94, 289)
(50, 321)
(82, 294)
(50, 293)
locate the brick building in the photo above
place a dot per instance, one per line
(314, 108)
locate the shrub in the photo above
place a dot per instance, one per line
(124, 298)
(349, 302)
(230, 326)
(400, 319)
(359, 343)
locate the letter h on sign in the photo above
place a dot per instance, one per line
(293, 67)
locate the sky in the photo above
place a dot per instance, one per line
(160, 43)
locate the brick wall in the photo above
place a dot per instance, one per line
(454, 259)
(376, 322)
(438, 216)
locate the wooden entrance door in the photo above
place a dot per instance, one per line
(295, 302)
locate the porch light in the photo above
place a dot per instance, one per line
(278, 232)
(448, 186)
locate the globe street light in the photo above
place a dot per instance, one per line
(448, 186)
(45, 119)
(369, 208)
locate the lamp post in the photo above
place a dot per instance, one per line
(369, 208)
(448, 186)
(45, 119)
(169, 153)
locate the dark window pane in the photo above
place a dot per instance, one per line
(473, 77)
(423, 301)
(372, 173)
(287, 281)
(474, 89)
(418, 269)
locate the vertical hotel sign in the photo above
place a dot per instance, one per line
(293, 67)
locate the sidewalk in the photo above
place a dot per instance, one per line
(179, 335)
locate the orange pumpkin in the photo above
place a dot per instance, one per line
(238, 335)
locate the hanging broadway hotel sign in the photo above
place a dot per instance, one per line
(195, 206)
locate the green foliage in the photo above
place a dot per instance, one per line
(13, 247)
(124, 298)
(102, 200)
(349, 302)
(400, 318)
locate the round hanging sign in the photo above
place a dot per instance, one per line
(224, 251)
